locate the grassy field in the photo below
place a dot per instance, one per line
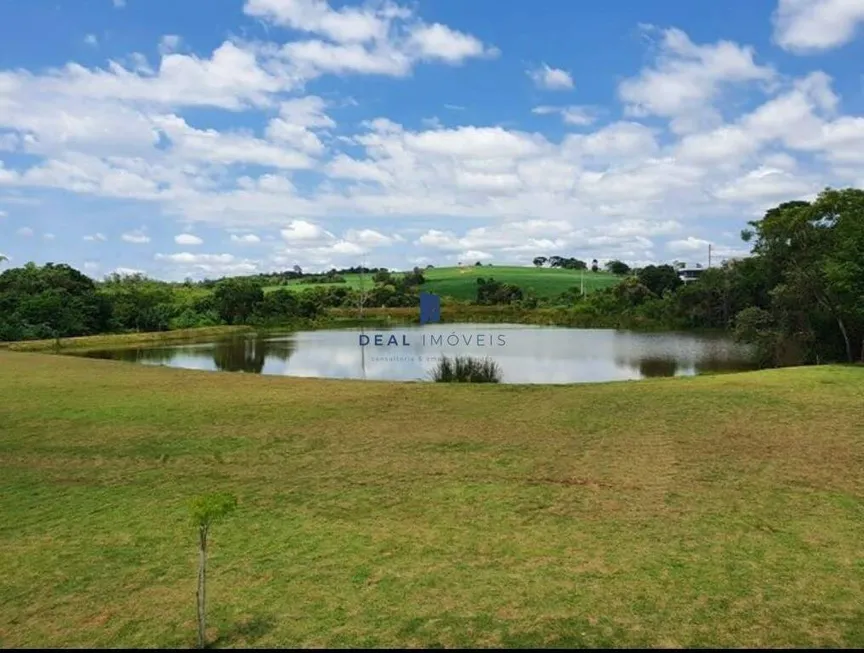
(723, 511)
(461, 283)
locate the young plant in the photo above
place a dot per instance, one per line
(207, 510)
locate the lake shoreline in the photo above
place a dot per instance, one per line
(525, 354)
(349, 318)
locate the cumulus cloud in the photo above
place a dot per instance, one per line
(127, 272)
(245, 239)
(808, 26)
(551, 79)
(26, 232)
(303, 231)
(681, 156)
(380, 39)
(137, 237)
(572, 115)
(187, 239)
(686, 79)
(687, 245)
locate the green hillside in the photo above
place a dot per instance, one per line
(461, 283)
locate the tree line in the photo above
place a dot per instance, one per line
(799, 297)
(614, 267)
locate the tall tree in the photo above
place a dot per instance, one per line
(618, 267)
(816, 249)
(236, 299)
(659, 278)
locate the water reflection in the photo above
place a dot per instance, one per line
(528, 354)
(250, 354)
(651, 367)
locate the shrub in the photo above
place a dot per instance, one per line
(466, 370)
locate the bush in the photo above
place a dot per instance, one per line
(466, 370)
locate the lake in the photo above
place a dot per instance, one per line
(525, 354)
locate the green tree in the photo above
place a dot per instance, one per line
(236, 299)
(617, 267)
(540, 261)
(382, 276)
(139, 303)
(816, 248)
(50, 301)
(659, 278)
(206, 511)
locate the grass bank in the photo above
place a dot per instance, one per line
(722, 511)
(107, 341)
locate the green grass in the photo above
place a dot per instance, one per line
(714, 511)
(461, 283)
(124, 339)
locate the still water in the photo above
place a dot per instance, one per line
(525, 354)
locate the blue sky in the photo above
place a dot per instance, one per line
(210, 138)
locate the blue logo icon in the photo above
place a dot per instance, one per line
(430, 308)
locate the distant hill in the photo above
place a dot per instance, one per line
(461, 283)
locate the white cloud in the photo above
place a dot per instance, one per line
(246, 239)
(381, 38)
(440, 42)
(48, 236)
(808, 26)
(296, 122)
(90, 266)
(91, 39)
(127, 272)
(3, 213)
(227, 148)
(96, 237)
(301, 231)
(188, 257)
(26, 232)
(573, 115)
(767, 185)
(137, 237)
(187, 239)
(119, 4)
(369, 238)
(122, 132)
(553, 79)
(232, 78)
(475, 255)
(346, 25)
(686, 79)
(185, 264)
(169, 43)
(689, 244)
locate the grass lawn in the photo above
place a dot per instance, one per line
(461, 283)
(722, 511)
